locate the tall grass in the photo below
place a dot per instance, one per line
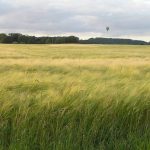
(74, 97)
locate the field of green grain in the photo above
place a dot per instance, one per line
(74, 97)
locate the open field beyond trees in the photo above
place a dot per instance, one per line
(74, 97)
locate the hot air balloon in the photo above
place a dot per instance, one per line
(107, 29)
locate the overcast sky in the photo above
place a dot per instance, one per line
(84, 18)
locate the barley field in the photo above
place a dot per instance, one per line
(74, 97)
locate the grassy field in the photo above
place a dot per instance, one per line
(74, 97)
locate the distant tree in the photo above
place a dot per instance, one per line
(14, 37)
(72, 39)
(3, 38)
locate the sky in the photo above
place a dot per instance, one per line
(83, 18)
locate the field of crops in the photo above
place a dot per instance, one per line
(74, 97)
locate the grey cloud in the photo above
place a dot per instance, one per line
(130, 17)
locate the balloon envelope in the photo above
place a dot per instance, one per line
(107, 28)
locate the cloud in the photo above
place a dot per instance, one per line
(125, 18)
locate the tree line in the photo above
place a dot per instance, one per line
(113, 41)
(17, 38)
